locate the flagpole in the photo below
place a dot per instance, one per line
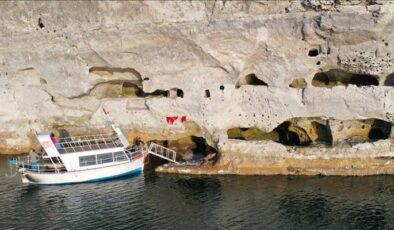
(107, 115)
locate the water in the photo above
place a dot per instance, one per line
(161, 201)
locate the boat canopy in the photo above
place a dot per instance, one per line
(120, 135)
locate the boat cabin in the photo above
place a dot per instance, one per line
(85, 152)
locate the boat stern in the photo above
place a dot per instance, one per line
(25, 179)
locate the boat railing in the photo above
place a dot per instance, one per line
(88, 143)
(26, 163)
(39, 168)
(163, 152)
(45, 168)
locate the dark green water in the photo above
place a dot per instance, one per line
(160, 201)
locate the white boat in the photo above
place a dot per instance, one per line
(87, 158)
(82, 159)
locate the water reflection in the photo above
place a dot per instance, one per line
(161, 201)
(306, 209)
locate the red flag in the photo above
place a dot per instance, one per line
(171, 120)
(175, 118)
(183, 119)
(104, 111)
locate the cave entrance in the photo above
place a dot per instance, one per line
(389, 80)
(207, 93)
(189, 148)
(289, 137)
(250, 79)
(336, 77)
(286, 133)
(379, 130)
(313, 52)
(322, 133)
(299, 83)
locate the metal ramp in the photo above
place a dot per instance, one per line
(162, 152)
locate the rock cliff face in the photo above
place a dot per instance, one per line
(284, 78)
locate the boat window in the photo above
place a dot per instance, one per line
(120, 156)
(87, 160)
(104, 158)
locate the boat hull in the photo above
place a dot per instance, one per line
(89, 175)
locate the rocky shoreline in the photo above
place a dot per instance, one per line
(259, 158)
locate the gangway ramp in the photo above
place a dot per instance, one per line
(162, 152)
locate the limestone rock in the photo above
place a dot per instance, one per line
(222, 64)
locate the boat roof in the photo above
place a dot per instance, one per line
(88, 143)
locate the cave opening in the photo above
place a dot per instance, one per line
(298, 83)
(379, 130)
(313, 52)
(336, 77)
(285, 133)
(179, 93)
(389, 80)
(286, 136)
(315, 131)
(201, 146)
(207, 93)
(188, 148)
(252, 79)
(323, 133)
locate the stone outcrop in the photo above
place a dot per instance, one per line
(223, 64)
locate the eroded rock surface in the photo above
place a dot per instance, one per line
(223, 64)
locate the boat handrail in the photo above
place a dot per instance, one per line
(39, 168)
(88, 143)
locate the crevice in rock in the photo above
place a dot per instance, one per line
(336, 77)
(40, 24)
(250, 79)
(121, 88)
(103, 70)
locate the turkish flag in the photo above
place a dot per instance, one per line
(172, 119)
